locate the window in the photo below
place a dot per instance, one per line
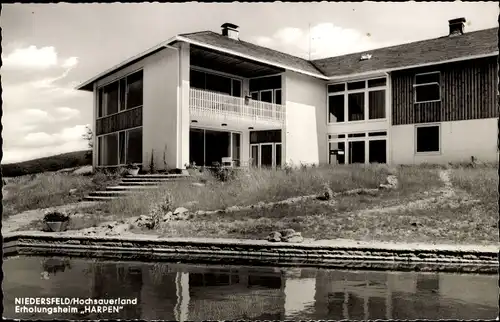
(121, 141)
(376, 105)
(266, 96)
(134, 146)
(335, 88)
(277, 96)
(336, 108)
(377, 151)
(120, 95)
(337, 152)
(356, 107)
(196, 79)
(219, 84)
(377, 82)
(357, 101)
(427, 138)
(120, 148)
(356, 152)
(236, 88)
(134, 90)
(356, 85)
(215, 83)
(108, 148)
(110, 102)
(427, 87)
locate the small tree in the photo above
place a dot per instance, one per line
(89, 137)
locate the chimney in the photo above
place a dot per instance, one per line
(231, 31)
(457, 26)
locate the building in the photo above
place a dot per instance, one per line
(205, 97)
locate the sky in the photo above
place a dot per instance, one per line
(48, 49)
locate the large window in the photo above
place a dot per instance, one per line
(266, 89)
(120, 148)
(426, 87)
(208, 147)
(357, 101)
(121, 95)
(362, 147)
(336, 108)
(427, 138)
(215, 83)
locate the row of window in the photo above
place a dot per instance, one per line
(356, 151)
(265, 89)
(427, 140)
(120, 148)
(366, 100)
(123, 94)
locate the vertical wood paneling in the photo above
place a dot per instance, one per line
(468, 91)
(118, 122)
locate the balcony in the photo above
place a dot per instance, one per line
(212, 106)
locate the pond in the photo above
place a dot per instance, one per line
(198, 292)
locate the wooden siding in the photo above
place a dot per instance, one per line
(118, 122)
(468, 91)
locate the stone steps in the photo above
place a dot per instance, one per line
(135, 184)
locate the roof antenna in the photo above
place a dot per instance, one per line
(309, 36)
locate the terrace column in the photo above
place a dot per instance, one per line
(183, 119)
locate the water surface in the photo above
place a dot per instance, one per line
(199, 292)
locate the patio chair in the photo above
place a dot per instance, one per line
(227, 162)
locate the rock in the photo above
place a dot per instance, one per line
(145, 222)
(200, 212)
(168, 216)
(327, 193)
(287, 232)
(275, 236)
(294, 239)
(83, 170)
(180, 210)
(392, 180)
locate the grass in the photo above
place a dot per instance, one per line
(52, 163)
(383, 216)
(480, 183)
(254, 186)
(49, 190)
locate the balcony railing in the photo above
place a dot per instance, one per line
(216, 104)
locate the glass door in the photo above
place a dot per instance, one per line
(266, 155)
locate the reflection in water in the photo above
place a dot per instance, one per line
(187, 292)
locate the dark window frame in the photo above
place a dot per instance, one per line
(439, 138)
(122, 96)
(426, 83)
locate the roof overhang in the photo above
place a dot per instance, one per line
(376, 73)
(88, 85)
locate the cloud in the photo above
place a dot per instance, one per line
(70, 62)
(323, 40)
(31, 58)
(17, 154)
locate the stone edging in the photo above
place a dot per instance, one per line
(250, 252)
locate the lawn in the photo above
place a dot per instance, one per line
(415, 211)
(49, 190)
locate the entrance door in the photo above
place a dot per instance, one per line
(266, 155)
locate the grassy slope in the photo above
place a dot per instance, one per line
(52, 163)
(49, 190)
